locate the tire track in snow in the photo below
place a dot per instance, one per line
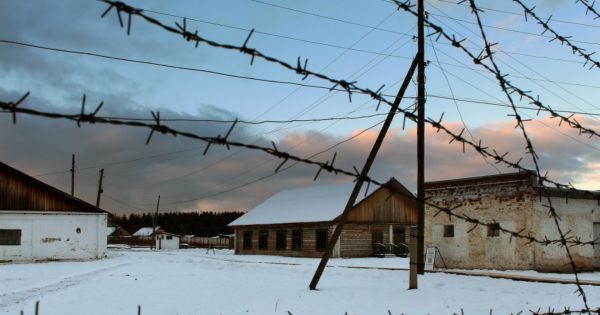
(20, 296)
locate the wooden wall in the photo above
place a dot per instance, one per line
(381, 207)
(21, 192)
(308, 240)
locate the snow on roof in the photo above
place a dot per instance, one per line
(310, 204)
(110, 230)
(145, 231)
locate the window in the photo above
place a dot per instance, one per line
(297, 239)
(321, 239)
(377, 237)
(281, 242)
(263, 239)
(449, 230)
(10, 237)
(493, 230)
(169, 237)
(247, 240)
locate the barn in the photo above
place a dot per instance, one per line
(300, 222)
(513, 202)
(39, 222)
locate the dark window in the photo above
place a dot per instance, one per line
(377, 237)
(321, 239)
(297, 239)
(169, 237)
(247, 239)
(493, 230)
(10, 237)
(263, 239)
(281, 239)
(448, 230)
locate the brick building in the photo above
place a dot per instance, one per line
(512, 200)
(300, 222)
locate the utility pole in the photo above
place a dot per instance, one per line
(421, 140)
(365, 171)
(154, 223)
(73, 175)
(100, 188)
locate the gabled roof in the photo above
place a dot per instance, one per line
(146, 231)
(19, 199)
(323, 203)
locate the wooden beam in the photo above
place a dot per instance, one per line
(100, 188)
(365, 171)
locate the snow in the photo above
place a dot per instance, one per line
(197, 282)
(145, 231)
(110, 230)
(310, 204)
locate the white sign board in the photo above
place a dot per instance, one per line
(430, 258)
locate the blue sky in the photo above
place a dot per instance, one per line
(175, 168)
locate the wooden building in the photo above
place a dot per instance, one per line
(300, 222)
(513, 202)
(40, 222)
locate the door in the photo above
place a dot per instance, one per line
(399, 236)
(401, 248)
(596, 235)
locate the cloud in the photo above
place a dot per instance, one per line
(186, 180)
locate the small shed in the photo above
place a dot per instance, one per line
(165, 240)
(41, 222)
(300, 222)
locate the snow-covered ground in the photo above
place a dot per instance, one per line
(194, 282)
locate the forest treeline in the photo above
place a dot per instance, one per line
(182, 223)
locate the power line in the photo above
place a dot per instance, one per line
(460, 115)
(112, 163)
(163, 65)
(345, 21)
(78, 52)
(513, 68)
(521, 14)
(237, 187)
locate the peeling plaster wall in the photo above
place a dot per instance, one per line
(509, 203)
(516, 206)
(54, 235)
(577, 219)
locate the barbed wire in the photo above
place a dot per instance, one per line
(565, 40)
(439, 31)
(521, 14)
(350, 87)
(327, 166)
(489, 55)
(565, 311)
(589, 7)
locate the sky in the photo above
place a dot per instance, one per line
(367, 41)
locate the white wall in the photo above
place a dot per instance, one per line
(53, 235)
(163, 243)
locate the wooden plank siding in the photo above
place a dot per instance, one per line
(356, 240)
(19, 191)
(309, 232)
(383, 207)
